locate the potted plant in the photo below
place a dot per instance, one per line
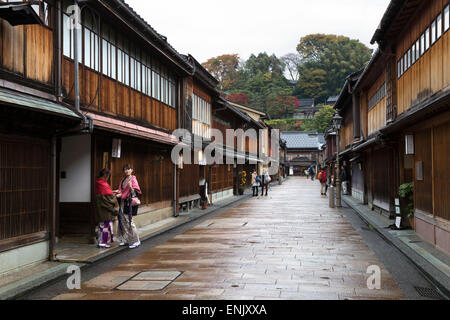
(406, 194)
(242, 182)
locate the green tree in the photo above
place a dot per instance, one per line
(322, 121)
(326, 61)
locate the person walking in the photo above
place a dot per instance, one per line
(129, 203)
(106, 209)
(312, 173)
(255, 183)
(323, 182)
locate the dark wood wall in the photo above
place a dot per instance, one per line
(189, 180)
(222, 177)
(24, 186)
(382, 166)
(357, 177)
(441, 174)
(153, 167)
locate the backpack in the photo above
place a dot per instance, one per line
(320, 176)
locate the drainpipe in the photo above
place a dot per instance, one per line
(175, 198)
(76, 58)
(53, 218)
(59, 52)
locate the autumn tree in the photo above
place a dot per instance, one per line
(224, 68)
(240, 98)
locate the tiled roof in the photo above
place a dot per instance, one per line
(303, 140)
(306, 103)
(34, 103)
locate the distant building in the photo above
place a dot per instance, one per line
(306, 110)
(331, 101)
(303, 149)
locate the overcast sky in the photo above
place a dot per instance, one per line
(209, 28)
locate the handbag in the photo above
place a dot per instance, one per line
(135, 202)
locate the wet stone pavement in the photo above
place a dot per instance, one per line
(289, 246)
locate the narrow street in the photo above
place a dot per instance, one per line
(289, 245)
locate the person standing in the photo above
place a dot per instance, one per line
(323, 182)
(255, 183)
(129, 203)
(265, 180)
(107, 208)
(344, 180)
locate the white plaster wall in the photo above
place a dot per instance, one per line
(76, 162)
(21, 257)
(222, 195)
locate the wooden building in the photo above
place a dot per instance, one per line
(404, 116)
(31, 122)
(56, 134)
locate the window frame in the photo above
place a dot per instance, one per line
(433, 32)
(427, 39)
(446, 22)
(439, 26)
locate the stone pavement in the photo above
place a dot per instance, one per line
(19, 282)
(289, 245)
(434, 263)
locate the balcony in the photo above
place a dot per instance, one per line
(24, 12)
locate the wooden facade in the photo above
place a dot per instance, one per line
(134, 91)
(403, 95)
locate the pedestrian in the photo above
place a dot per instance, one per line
(311, 172)
(129, 202)
(255, 183)
(107, 208)
(323, 182)
(344, 181)
(265, 180)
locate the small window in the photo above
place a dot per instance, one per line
(405, 58)
(427, 39)
(433, 32)
(446, 18)
(413, 54)
(422, 44)
(402, 69)
(417, 50)
(399, 69)
(439, 26)
(409, 59)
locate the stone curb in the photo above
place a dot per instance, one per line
(436, 277)
(21, 287)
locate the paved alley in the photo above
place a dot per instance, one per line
(289, 245)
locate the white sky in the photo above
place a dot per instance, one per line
(209, 28)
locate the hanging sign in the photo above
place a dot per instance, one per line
(116, 148)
